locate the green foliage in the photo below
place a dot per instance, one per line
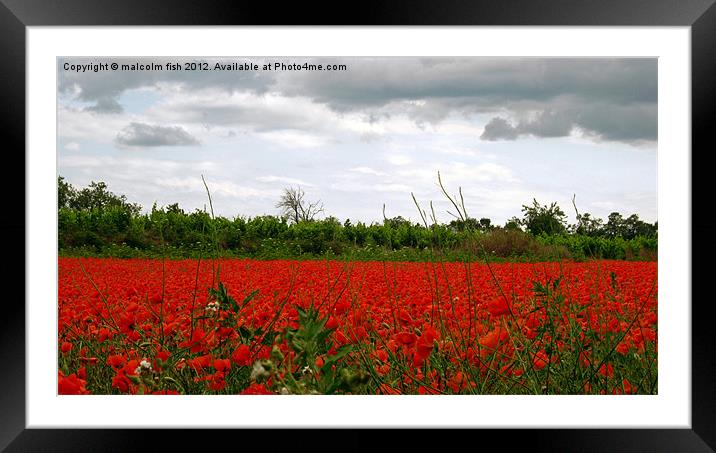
(96, 197)
(540, 219)
(96, 222)
(310, 342)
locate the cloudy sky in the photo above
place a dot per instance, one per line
(506, 130)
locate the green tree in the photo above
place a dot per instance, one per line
(513, 224)
(614, 226)
(97, 197)
(66, 193)
(540, 219)
(588, 225)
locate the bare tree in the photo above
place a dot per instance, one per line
(295, 207)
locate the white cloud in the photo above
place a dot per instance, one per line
(399, 159)
(294, 139)
(402, 188)
(367, 171)
(218, 187)
(75, 124)
(72, 146)
(283, 179)
(459, 173)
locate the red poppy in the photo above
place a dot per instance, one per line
(256, 389)
(493, 338)
(385, 389)
(332, 323)
(116, 361)
(71, 385)
(241, 355)
(405, 338)
(426, 342)
(607, 370)
(165, 392)
(201, 362)
(540, 360)
(381, 355)
(163, 355)
(457, 382)
(121, 382)
(498, 307)
(103, 334)
(222, 365)
(628, 387)
(66, 347)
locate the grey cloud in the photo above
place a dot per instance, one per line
(550, 124)
(626, 123)
(609, 98)
(493, 81)
(545, 124)
(111, 84)
(629, 123)
(146, 135)
(499, 129)
(106, 105)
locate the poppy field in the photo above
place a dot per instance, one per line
(244, 326)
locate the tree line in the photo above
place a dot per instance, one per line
(93, 220)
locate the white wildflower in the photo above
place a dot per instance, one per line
(258, 371)
(145, 366)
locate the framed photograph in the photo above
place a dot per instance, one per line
(454, 225)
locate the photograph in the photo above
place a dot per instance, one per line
(473, 219)
(357, 225)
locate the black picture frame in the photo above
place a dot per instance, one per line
(16, 15)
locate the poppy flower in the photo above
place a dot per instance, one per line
(201, 362)
(103, 334)
(493, 338)
(241, 355)
(622, 348)
(405, 338)
(457, 382)
(222, 365)
(498, 307)
(540, 360)
(607, 370)
(116, 361)
(385, 389)
(163, 355)
(71, 385)
(332, 323)
(66, 347)
(256, 389)
(121, 382)
(628, 387)
(426, 342)
(165, 392)
(381, 355)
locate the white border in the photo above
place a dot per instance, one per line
(671, 408)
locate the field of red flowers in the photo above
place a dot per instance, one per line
(319, 327)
